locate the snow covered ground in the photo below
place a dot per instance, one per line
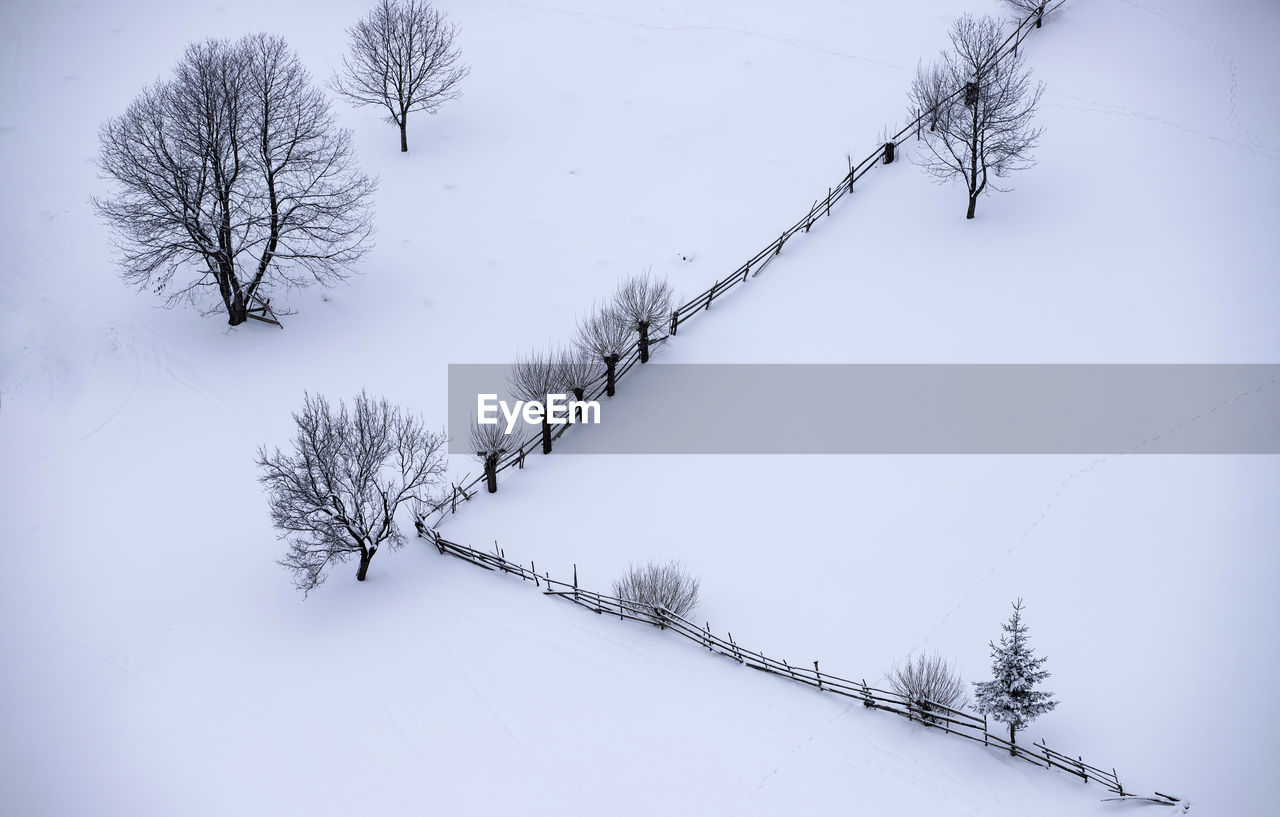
(157, 661)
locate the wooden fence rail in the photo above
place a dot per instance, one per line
(701, 303)
(933, 715)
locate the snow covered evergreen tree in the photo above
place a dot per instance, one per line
(1010, 696)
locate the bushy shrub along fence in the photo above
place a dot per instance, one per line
(701, 302)
(946, 719)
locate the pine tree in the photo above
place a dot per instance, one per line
(1010, 696)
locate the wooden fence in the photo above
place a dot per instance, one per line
(956, 722)
(701, 303)
(951, 721)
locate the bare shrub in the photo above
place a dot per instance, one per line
(653, 588)
(490, 442)
(578, 371)
(1024, 8)
(604, 335)
(640, 302)
(928, 680)
(532, 378)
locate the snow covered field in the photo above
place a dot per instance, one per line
(157, 661)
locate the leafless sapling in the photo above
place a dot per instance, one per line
(232, 177)
(605, 336)
(640, 302)
(983, 124)
(403, 57)
(927, 681)
(490, 442)
(578, 371)
(532, 378)
(336, 494)
(655, 588)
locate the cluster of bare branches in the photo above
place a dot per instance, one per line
(640, 302)
(336, 494)
(491, 442)
(577, 370)
(654, 588)
(1023, 8)
(532, 378)
(403, 57)
(232, 176)
(604, 336)
(928, 680)
(980, 109)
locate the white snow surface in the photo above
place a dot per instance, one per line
(157, 661)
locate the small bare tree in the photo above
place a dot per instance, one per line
(1025, 8)
(336, 494)
(490, 442)
(233, 177)
(603, 335)
(578, 371)
(403, 58)
(533, 377)
(980, 107)
(640, 302)
(927, 681)
(654, 588)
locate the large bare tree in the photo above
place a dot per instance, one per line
(980, 107)
(404, 58)
(640, 302)
(336, 494)
(232, 176)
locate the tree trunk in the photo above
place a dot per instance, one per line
(973, 204)
(404, 136)
(1012, 751)
(237, 310)
(366, 556)
(610, 365)
(546, 436)
(491, 473)
(644, 342)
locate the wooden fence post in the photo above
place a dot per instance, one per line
(575, 581)
(888, 153)
(1080, 762)
(1116, 777)
(866, 696)
(828, 201)
(675, 321)
(984, 731)
(818, 673)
